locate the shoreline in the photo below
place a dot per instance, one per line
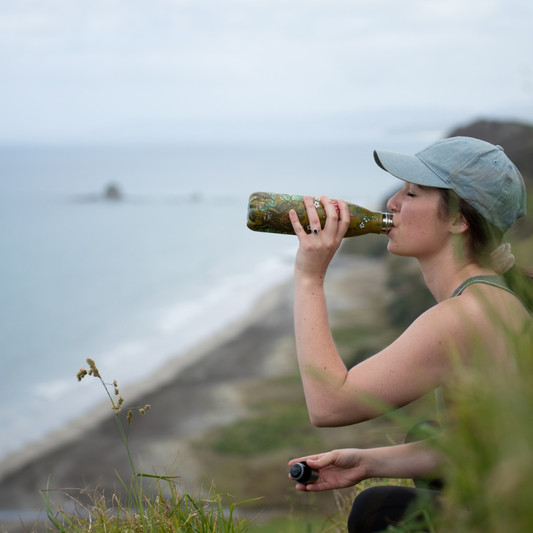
(189, 396)
(162, 376)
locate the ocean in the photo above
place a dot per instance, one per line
(136, 282)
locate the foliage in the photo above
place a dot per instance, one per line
(165, 509)
(490, 479)
(285, 426)
(178, 512)
(489, 465)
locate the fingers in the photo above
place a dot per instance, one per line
(338, 216)
(344, 221)
(315, 487)
(296, 225)
(314, 219)
(307, 458)
(323, 460)
(332, 216)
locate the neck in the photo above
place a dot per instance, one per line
(445, 273)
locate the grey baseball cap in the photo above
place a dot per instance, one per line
(479, 172)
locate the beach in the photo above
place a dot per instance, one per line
(190, 395)
(184, 320)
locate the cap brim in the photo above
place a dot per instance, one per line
(408, 168)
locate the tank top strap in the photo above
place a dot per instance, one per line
(495, 281)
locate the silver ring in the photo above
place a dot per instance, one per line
(315, 230)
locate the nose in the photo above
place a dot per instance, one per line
(392, 204)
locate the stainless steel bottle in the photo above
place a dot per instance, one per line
(269, 212)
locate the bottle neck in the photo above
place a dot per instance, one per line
(387, 222)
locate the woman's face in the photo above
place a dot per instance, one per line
(418, 229)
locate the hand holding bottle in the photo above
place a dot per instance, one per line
(318, 247)
(336, 470)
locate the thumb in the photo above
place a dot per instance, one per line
(323, 461)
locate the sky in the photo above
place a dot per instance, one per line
(131, 70)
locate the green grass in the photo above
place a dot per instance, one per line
(158, 513)
(162, 507)
(285, 426)
(290, 525)
(490, 479)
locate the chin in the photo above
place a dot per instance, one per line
(395, 250)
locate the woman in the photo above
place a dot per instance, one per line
(459, 197)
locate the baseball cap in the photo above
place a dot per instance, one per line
(478, 172)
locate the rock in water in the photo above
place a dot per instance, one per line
(112, 192)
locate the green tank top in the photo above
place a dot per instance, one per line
(442, 392)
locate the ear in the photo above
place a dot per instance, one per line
(458, 225)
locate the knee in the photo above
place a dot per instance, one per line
(364, 509)
(376, 508)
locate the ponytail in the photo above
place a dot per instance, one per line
(484, 245)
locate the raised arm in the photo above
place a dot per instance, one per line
(317, 354)
(414, 364)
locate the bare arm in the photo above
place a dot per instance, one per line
(344, 468)
(414, 364)
(320, 363)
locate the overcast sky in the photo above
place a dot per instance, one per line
(84, 69)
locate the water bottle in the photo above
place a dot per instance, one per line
(269, 212)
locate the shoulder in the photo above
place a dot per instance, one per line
(450, 317)
(481, 316)
(445, 328)
(425, 355)
(417, 362)
(424, 348)
(495, 312)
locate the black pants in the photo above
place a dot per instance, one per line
(376, 508)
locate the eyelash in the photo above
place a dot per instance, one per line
(410, 194)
